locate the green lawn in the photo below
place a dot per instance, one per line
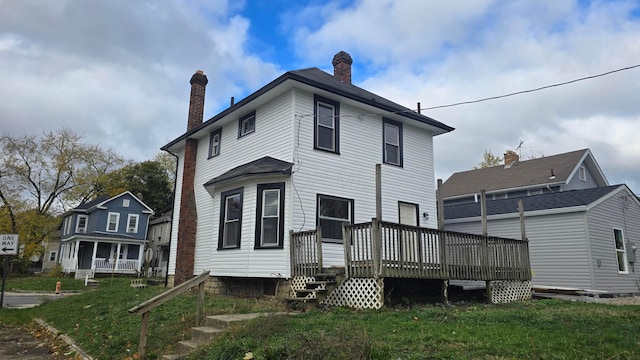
(545, 329)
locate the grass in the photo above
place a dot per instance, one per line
(42, 283)
(99, 322)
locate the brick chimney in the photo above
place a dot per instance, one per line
(196, 101)
(510, 158)
(342, 67)
(188, 221)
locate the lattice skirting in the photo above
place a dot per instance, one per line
(358, 293)
(503, 292)
(300, 283)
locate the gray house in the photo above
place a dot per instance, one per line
(582, 232)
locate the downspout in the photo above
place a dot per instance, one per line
(173, 211)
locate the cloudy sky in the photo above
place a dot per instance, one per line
(118, 71)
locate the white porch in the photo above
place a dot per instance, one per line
(102, 256)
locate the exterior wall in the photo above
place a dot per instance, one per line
(612, 213)
(557, 246)
(272, 137)
(351, 174)
(176, 214)
(576, 184)
(115, 205)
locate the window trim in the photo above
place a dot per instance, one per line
(623, 251)
(109, 221)
(213, 134)
(67, 225)
(86, 220)
(417, 207)
(223, 210)
(351, 215)
(53, 256)
(242, 120)
(135, 229)
(582, 173)
(125, 202)
(260, 197)
(398, 126)
(317, 100)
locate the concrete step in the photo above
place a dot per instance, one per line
(205, 333)
(224, 321)
(188, 346)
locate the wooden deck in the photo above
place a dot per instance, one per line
(379, 249)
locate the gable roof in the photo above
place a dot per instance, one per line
(265, 166)
(321, 80)
(100, 202)
(522, 175)
(557, 200)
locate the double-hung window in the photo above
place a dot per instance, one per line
(332, 212)
(621, 253)
(81, 224)
(230, 230)
(582, 173)
(112, 222)
(132, 223)
(247, 124)
(392, 142)
(326, 125)
(269, 218)
(214, 143)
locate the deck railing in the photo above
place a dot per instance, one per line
(383, 249)
(123, 265)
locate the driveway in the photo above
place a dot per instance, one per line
(25, 344)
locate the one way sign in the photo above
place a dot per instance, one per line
(8, 244)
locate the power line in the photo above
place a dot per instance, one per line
(532, 90)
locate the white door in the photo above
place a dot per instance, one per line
(408, 214)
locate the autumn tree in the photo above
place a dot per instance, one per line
(43, 176)
(488, 160)
(147, 179)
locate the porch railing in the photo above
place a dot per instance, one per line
(306, 252)
(127, 265)
(383, 249)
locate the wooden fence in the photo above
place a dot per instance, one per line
(379, 249)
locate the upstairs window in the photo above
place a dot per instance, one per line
(132, 223)
(112, 222)
(230, 230)
(125, 202)
(214, 143)
(621, 253)
(582, 173)
(326, 125)
(332, 212)
(67, 225)
(392, 134)
(81, 224)
(269, 219)
(247, 124)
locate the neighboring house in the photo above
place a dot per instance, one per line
(51, 251)
(158, 236)
(105, 235)
(299, 152)
(582, 232)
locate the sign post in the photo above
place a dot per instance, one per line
(8, 246)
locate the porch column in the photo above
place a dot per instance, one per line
(141, 258)
(76, 245)
(115, 266)
(93, 256)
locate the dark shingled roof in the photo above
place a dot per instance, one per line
(520, 175)
(262, 167)
(548, 201)
(89, 204)
(322, 80)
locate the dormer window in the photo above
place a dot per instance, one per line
(132, 223)
(582, 173)
(247, 124)
(81, 224)
(125, 202)
(112, 222)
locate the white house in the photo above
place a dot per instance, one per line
(299, 152)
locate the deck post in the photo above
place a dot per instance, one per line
(378, 192)
(376, 246)
(200, 306)
(440, 202)
(142, 343)
(319, 247)
(346, 237)
(292, 253)
(445, 292)
(485, 233)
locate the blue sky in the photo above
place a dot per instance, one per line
(118, 71)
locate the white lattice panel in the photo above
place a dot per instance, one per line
(300, 283)
(357, 293)
(503, 292)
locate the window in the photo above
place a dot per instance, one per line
(247, 124)
(52, 256)
(582, 173)
(269, 219)
(67, 225)
(112, 223)
(621, 253)
(332, 212)
(125, 202)
(81, 225)
(230, 219)
(214, 143)
(132, 223)
(326, 125)
(392, 142)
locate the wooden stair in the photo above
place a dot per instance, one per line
(316, 291)
(214, 327)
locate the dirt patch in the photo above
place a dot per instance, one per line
(623, 300)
